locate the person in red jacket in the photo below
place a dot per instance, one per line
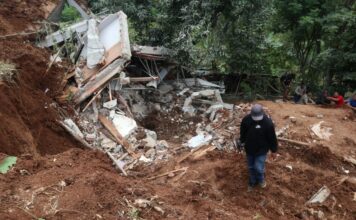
(337, 99)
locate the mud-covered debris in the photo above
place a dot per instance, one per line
(320, 131)
(199, 140)
(320, 196)
(110, 104)
(123, 124)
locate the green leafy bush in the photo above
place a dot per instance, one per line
(70, 14)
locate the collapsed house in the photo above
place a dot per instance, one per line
(114, 86)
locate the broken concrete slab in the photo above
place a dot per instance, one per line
(212, 111)
(64, 34)
(199, 140)
(181, 93)
(322, 132)
(320, 196)
(115, 37)
(145, 159)
(117, 135)
(106, 143)
(123, 124)
(165, 88)
(151, 139)
(95, 49)
(110, 104)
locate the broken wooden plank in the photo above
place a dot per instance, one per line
(143, 79)
(116, 163)
(98, 80)
(92, 100)
(123, 101)
(76, 137)
(200, 149)
(203, 152)
(53, 60)
(115, 133)
(294, 142)
(169, 172)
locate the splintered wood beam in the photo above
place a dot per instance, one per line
(143, 79)
(98, 80)
(116, 134)
(116, 163)
(168, 173)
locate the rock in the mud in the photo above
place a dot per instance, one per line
(145, 159)
(90, 137)
(162, 144)
(165, 88)
(199, 140)
(151, 153)
(110, 104)
(320, 196)
(123, 124)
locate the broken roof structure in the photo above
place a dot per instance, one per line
(112, 95)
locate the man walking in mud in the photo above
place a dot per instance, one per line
(258, 137)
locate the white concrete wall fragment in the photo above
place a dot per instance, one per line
(64, 34)
(124, 125)
(95, 49)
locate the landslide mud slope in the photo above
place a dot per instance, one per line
(27, 114)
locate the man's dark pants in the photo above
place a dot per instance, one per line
(256, 168)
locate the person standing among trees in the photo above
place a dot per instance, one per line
(299, 92)
(286, 81)
(257, 137)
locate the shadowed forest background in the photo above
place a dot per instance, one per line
(251, 42)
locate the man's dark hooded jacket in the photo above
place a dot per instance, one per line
(258, 136)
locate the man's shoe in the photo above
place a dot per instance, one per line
(263, 184)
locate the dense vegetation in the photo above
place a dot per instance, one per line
(313, 38)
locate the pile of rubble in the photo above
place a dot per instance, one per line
(114, 86)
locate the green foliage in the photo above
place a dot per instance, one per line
(70, 14)
(7, 163)
(313, 38)
(322, 33)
